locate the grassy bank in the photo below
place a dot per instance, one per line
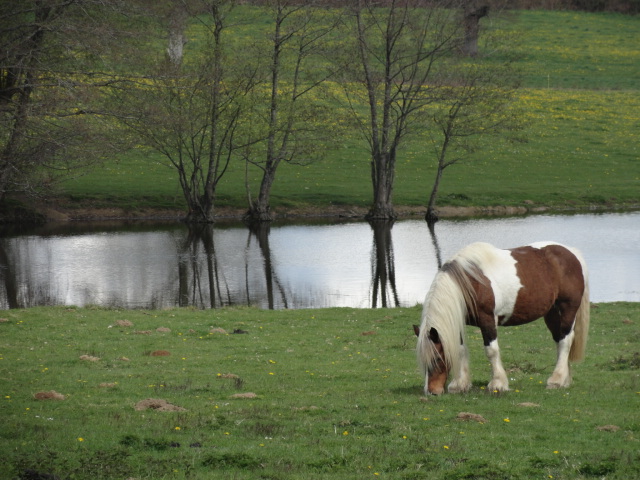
(303, 394)
(580, 101)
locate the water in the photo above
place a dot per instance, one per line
(289, 266)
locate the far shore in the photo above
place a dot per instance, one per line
(67, 214)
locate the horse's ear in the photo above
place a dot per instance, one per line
(434, 336)
(416, 330)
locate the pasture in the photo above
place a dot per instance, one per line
(332, 393)
(579, 148)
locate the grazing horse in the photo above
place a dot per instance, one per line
(488, 287)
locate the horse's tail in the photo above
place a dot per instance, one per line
(581, 325)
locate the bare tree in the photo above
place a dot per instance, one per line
(190, 111)
(398, 49)
(292, 128)
(476, 101)
(49, 81)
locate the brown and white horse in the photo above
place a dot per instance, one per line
(488, 287)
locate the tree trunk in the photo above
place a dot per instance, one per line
(260, 211)
(201, 210)
(432, 217)
(381, 211)
(177, 40)
(382, 173)
(473, 12)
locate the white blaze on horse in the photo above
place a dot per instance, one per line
(488, 287)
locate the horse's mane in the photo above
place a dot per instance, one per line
(450, 300)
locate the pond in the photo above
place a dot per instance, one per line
(338, 264)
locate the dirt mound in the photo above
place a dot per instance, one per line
(160, 353)
(466, 416)
(244, 395)
(50, 395)
(608, 428)
(89, 358)
(158, 404)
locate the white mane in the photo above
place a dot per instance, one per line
(447, 303)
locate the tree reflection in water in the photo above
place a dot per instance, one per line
(383, 276)
(261, 232)
(204, 280)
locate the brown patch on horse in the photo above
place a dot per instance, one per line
(538, 280)
(545, 282)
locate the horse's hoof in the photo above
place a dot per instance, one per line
(498, 387)
(554, 385)
(458, 388)
(558, 382)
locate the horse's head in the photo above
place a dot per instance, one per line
(436, 370)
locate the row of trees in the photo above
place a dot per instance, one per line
(623, 6)
(263, 86)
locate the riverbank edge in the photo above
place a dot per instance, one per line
(87, 214)
(61, 212)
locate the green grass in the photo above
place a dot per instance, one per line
(569, 50)
(337, 396)
(580, 100)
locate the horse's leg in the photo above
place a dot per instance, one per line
(560, 321)
(462, 379)
(499, 382)
(561, 376)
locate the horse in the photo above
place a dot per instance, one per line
(487, 287)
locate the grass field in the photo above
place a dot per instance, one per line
(581, 78)
(304, 394)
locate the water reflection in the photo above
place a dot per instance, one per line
(383, 275)
(353, 264)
